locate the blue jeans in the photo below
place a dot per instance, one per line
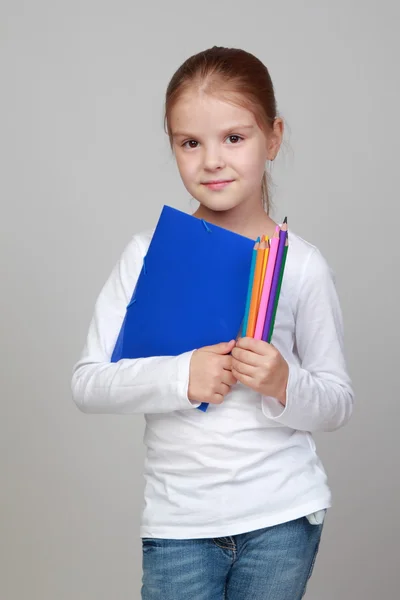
(273, 563)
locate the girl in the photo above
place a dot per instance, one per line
(235, 497)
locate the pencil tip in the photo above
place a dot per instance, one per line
(285, 220)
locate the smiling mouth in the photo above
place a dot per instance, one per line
(217, 185)
(217, 181)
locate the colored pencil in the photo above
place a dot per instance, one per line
(278, 293)
(264, 268)
(275, 281)
(262, 311)
(255, 292)
(250, 287)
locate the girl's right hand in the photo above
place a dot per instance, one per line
(210, 377)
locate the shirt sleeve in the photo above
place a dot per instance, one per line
(319, 395)
(144, 385)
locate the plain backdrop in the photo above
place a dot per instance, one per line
(85, 164)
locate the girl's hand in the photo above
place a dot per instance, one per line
(211, 376)
(260, 366)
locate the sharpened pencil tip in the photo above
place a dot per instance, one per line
(285, 220)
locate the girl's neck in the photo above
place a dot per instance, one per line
(249, 223)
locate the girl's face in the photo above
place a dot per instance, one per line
(214, 140)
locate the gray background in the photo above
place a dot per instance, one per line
(85, 164)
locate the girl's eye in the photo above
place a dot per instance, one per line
(190, 142)
(235, 138)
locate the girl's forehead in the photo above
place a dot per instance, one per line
(199, 107)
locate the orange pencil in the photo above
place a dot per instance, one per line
(255, 293)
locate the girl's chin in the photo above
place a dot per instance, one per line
(219, 206)
(218, 203)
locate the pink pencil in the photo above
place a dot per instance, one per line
(262, 311)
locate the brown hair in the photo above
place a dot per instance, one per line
(234, 74)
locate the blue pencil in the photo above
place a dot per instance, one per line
(250, 287)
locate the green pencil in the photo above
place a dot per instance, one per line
(278, 291)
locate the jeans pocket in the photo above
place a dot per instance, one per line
(149, 544)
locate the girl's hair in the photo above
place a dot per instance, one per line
(234, 75)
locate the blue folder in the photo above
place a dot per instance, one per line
(191, 291)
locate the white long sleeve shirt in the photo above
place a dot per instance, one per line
(249, 462)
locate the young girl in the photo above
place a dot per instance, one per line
(234, 497)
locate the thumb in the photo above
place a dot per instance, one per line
(221, 348)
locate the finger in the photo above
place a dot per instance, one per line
(217, 398)
(246, 356)
(245, 379)
(223, 389)
(242, 368)
(228, 378)
(226, 362)
(257, 346)
(221, 348)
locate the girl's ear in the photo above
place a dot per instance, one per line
(275, 139)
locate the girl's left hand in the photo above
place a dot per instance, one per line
(260, 366)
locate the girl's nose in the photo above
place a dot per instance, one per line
(213, 159)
